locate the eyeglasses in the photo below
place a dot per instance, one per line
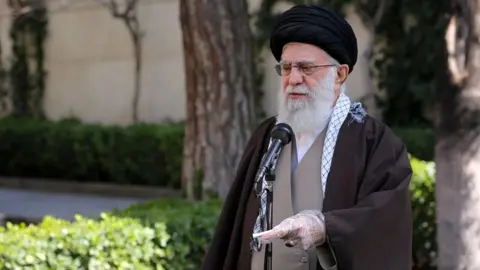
(306, 68)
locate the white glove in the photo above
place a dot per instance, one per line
(304, 230)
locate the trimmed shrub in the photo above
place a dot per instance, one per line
(110, 243)
(422, 188)
(190, 226)
(173, 233)
(420, 142)
(168, 234)
(68, 150)
(143, 154)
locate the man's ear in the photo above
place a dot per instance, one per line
(342, 73)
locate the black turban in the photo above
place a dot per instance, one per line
(317, 25)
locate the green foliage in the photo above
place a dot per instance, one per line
(28, 34)
(3, 82)
(139, 154)
(118, 243)
(169, 234)
(190, 226)
(408, 50)
(422, 189)
(420, 142)
(164, 234)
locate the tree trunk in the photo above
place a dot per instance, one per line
(3, 84)
(457, 147)
(138, 72)
(219, 80)
(136, 36)
(130, 18)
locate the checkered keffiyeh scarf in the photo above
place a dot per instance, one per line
(342, 108)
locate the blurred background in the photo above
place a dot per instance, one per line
(122, 122)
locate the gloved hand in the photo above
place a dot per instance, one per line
(304, 230)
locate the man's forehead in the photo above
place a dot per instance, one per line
(302, 52)
(299, 61)
(304, 58)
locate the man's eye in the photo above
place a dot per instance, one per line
(307, 68)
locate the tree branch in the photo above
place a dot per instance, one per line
(457, 71)
(371, 22)
(130, 6)
(377, 18)
(113, 6)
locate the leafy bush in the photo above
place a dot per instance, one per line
(420, 142)
(171, 233)
(166, 234)
(118, 243)
(422, 188)
(139, 154)
(189, 225)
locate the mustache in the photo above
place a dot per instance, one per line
(299, 90)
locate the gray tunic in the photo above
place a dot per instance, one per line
(291, 196)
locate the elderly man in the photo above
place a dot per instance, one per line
(340, 197)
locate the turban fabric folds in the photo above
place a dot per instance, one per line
(316, 25)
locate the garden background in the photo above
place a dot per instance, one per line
(116, 104)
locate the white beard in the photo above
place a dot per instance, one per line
(308, 116)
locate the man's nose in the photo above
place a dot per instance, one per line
(295, 76)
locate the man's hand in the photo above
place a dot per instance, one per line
(305, 230)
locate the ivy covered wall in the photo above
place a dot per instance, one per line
(27, 73)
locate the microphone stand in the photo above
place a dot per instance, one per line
(269, 172)
(281, 134)
(270, 178)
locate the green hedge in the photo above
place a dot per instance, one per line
(168, 234)
(140, 154)
(422, 189)
(420, 142)
(86, 244)
(190, 227)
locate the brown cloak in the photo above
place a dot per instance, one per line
(367, 202)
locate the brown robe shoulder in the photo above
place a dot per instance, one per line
(367, 201)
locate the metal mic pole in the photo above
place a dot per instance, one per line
(281, 135)
(270, 179)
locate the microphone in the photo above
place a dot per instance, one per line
(281, 135)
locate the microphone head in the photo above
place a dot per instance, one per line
(282, 132)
